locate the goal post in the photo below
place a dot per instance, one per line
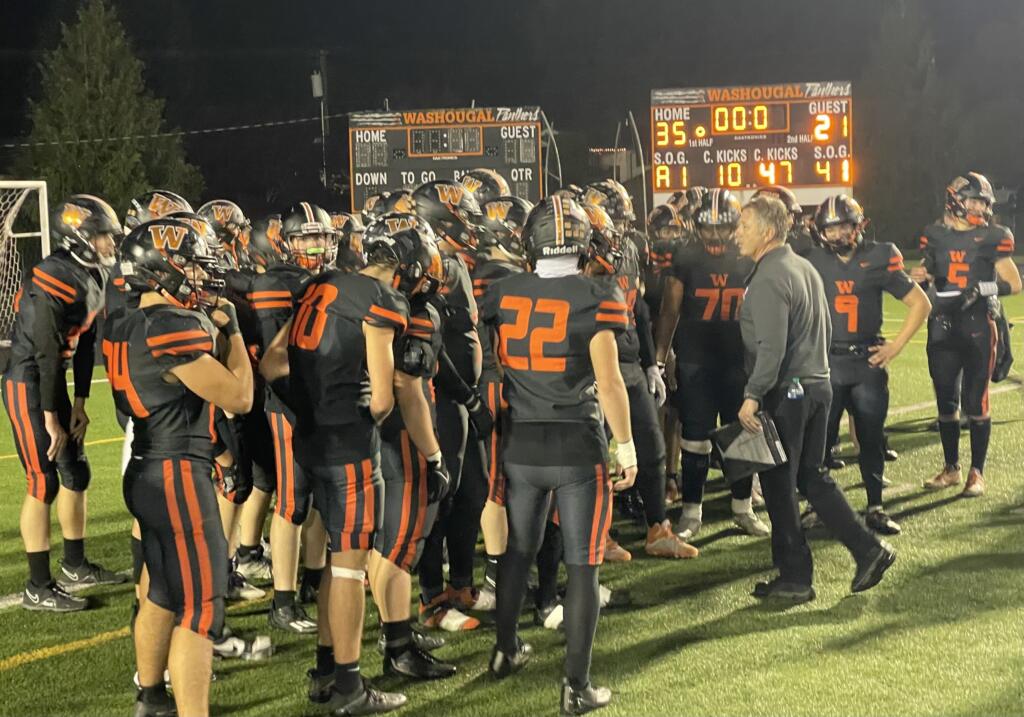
(24, 240)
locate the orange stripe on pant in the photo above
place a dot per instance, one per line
(596, 554)
(351, 487)
(994, 339)
(369, 503)
(171, 497)
(202, 551)
(403, 527)
(19, 438)
(30, 441)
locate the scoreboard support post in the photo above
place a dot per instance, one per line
(550, 148)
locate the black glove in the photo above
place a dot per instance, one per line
(970, 297)
(438, 480)
(480, 416)
(229, 327)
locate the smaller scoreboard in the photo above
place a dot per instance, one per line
(390, 150)
(798, 135)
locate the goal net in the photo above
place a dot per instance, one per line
(24, 240)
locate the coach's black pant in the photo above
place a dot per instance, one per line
(802, 425)
(863, 390)
(649, 440)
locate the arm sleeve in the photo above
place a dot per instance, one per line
(769, 309)
(645, 333)
(897, 282)
(46, 337)
(175, 339)
(84, 361)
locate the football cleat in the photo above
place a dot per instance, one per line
(880, 522)
(438, 614)
(162, 708)
(778, 589)
(291, 618)
(257, 570)
(613, 598)
(240, 589)
(51, 598)
(472, 599)
(89, 574)
(581, 701)
(364, 701)
(231, 647)
(663, 543)
(688, 526)
(615, 553)
(550, 617)
(975, 485)
(417, 664)
(502, 664)
(949, 476)
(751, 525)
(320, 686)
(870, 572)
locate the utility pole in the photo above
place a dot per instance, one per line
(318, 80)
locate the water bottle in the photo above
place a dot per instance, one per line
(795, 391)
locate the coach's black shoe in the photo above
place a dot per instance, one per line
(420, 639)
(417, 664)
(89, 574)
(291, 618)
(869, 573)
(502, 665)
(880, 522)
(587, 699)
(778, 589)
(320, 686)
(51, 598)
(154, 708)
(834, 464)
(364, 701)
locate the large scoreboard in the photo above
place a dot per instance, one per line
(388, 150)
(798, 135)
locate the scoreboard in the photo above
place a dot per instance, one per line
(389, 150)
(798, 135)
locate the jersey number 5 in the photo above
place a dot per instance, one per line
(526, 325)
(310, 319)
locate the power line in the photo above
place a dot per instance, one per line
(177, 133)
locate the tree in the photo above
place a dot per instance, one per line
(92, 88)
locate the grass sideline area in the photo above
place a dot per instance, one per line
(941, 635)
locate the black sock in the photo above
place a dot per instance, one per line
(491, 571)
(512, 571)
(284, 598)
(949, 432)
(311, 577)
(324, 659)
(397, 636)
(74, 552)
(582, 606)
(346, 677)
(245, 553)
(694, 476)
(981, 431)
(39, 568)
(548, 558)
(155, 695)
(138, 560)
(651, 486)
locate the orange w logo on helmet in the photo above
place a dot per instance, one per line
(449, 193)
(498, 211)
(167, 237)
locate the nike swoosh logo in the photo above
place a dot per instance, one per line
(71, 575)
(33, 598)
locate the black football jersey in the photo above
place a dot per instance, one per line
(801, 241)
(272, 296)
(662, 255)
(544, 328)
(958, 259)
(485, 274)
(458, 310)
(329, 384)
(416, 353)
(139, 351)
(854, 288)
(713, 288)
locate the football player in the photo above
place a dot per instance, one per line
(230, 225)
(349, 230)
(334, 362)
(556, 337)
(53, 326)
(855, 272)
(705, 291)
(463, 421)
(305, 232)
(969, 262)
(163, 374)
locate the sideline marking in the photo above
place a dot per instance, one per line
(43, 653)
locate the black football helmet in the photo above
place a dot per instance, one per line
(664, 224)
(399, 200)
(971, 185)
(157, 255)
(716, 219)
(784, 195)
(76, 221)
(307, 220)
(350, 230)
(450, 210)
(373, 206)
(837, 210)
(557, 227)
(408, 241)
(569, 191)
(504, 219)
(611, 195)
(678, 201)
(225, 257)
(266, 245)
(605, 246)
(485, 185)
(694, 196)
(153, 205)
(227, 219)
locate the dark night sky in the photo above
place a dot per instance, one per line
(585, 62)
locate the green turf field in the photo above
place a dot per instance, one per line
(941, 635)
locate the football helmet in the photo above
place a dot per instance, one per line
(611, 195)
(266, 245)
(75, 223)
(450, 210)
(485, 185)
(153, 205)
(504, 219)
(784, 195)
(605, 246)
(350, 230)
(716, 219)
(836, 211)
(971, 185)
(309, 234)
(408, 242)
(165, 255)
(557, 227)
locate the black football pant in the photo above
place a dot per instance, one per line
(863, 390)
(649, 440)
(962, 346)
(802, 426)
(458, 518)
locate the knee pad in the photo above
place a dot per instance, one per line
(75, 475)
(348, 574)
(701, 448)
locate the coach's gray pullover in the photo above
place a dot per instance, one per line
(785, 323)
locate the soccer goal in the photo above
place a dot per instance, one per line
(24, 240)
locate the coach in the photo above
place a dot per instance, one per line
(786, 331)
